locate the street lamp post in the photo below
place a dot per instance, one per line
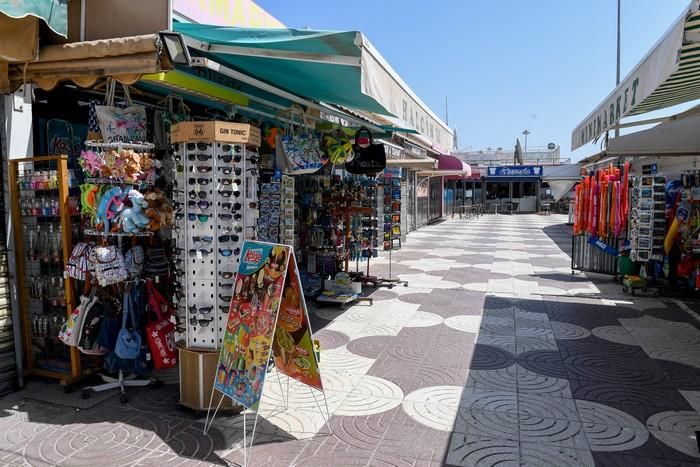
(525, 133)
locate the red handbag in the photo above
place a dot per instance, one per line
(161, 332)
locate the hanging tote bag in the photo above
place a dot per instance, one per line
(133, 261)
(301, 149)
(128, 344)
(121, 125)
(161, 332)
(70, 330)
(91, 328)
(368, 160)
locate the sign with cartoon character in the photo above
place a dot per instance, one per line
(267, 313)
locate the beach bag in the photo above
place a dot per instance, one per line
(369, 159)
(90, 328)
(160, 333)
(77, 265)
(70, 330)
(301, 149)
(128, 344)
(121, 125)
(109, 265)
(133, 261)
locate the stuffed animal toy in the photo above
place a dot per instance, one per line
(110, 203)
(132, 218)
(159, 211)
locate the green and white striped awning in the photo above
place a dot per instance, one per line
(668, 75)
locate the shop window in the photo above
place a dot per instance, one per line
(497, 190)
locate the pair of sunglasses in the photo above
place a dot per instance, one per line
(194, 251)
(228, 238)
(235, 228)
(198, 204)
(228, 217)
(204, 239)
(198, 181)
(202, 168)
(227, 274)
(228, 193)
(228, 147)
(200, 217)
(202, 322)
(198, 157)
(225, 285)
(225, 298)
(229, 170)
(229, 181)
(227, 158)
(194, 194)
(200, 146)
(229, 252)
(205, 310)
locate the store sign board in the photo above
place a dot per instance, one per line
(293, 349)
(267, 317)
(380, 82)
(239, 13)
(225, 132)
(644, 79)
(515, 171)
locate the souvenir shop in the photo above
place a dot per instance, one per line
(136, 228)
(639, 221)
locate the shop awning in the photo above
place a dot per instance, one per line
(54, 13)
(125, 59)
(449, 166)
(185, 83)
(678, 136)
(668, 75)
(340, 68)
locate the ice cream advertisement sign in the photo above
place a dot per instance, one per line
(267, 317)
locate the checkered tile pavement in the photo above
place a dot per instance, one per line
(494, 354)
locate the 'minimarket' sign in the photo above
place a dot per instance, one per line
(651, 85)
(607, 115)
(516, 171)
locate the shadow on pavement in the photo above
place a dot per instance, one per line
(571, 382)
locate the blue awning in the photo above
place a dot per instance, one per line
(334, 67)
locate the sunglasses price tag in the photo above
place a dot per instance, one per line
(199, 254)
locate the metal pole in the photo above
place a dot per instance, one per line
(617, 80)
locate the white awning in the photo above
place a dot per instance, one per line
(677, 136)
(668, 75)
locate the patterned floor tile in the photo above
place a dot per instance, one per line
(478, 451)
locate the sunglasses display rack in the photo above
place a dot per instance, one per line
(216, 210)
(648, 218)
(392, 211)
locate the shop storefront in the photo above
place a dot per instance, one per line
(634, 211)
(129, 184)
(513, 188)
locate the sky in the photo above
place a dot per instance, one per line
(505, 66)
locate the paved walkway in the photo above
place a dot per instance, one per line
(493, 355)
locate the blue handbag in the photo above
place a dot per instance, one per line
(129, 340)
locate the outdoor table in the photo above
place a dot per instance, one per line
(511, 206)
(545, 208)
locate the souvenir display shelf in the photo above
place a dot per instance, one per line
(392, 211)
(216, 210)
(40, 193)
(648, 219)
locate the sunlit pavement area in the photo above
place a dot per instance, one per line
(495, 354)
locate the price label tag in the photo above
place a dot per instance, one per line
(199, 254)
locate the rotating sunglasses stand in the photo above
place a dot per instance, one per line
(216, 211)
